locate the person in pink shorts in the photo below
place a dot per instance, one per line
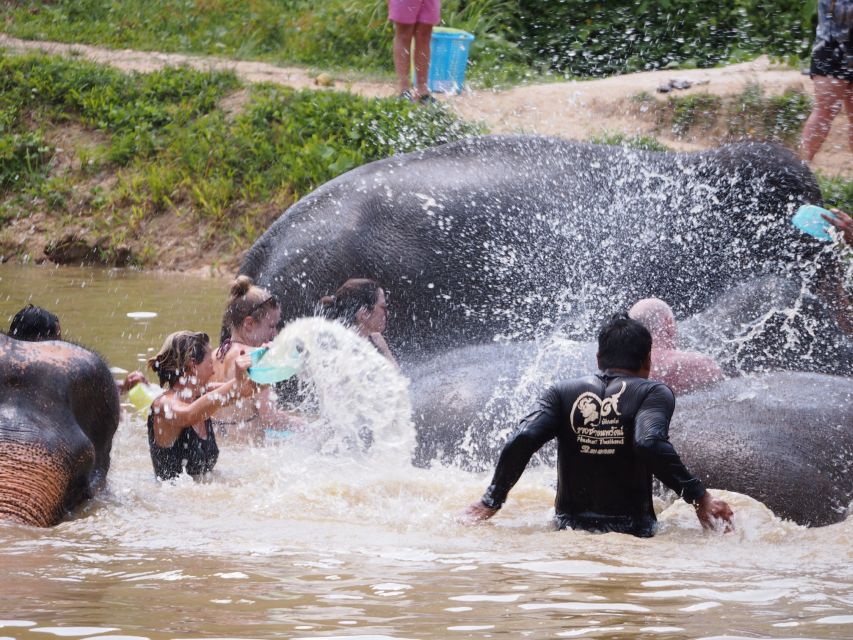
(413, 19)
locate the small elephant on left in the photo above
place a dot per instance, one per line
(59, 410)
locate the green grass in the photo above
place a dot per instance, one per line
(837, 192)
(779, 118)
(173, 149)
(333, 34)
(23, 159)
(515, 40)
(644, 143)
(748, 115)
(697, 110)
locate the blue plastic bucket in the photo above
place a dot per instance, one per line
(448, 59)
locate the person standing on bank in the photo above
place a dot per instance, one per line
(832, 72)
(413, 19)
(612, 434)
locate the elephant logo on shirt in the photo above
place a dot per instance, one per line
(590, 411)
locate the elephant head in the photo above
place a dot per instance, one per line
(59, 409)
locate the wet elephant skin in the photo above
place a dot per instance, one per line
(783, 438)
(59, 409)
(502, 235)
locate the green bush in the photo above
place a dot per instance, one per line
(176, 149)
(513, 38)
(698, 109)
(779, 118)
(134, 107)
(297, 140)
(748, 115)
(837, 192)
(643, 143)
(23, 158)
(351, 34)
(579, 37)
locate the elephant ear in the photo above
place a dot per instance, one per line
(96, 409)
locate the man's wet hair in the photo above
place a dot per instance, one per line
(33, 324)
(623, 343)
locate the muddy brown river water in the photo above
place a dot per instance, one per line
(283, 543)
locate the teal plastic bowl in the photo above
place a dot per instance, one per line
(808, 220)
(265, 373)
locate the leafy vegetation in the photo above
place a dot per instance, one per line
(700, 109)
(644, 143)
(836, 192)
(333, 34)
(748, 115)
(514, 38)
(585, 38)
(23, 159)
(173, 148)
(779, 118)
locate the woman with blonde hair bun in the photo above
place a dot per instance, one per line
(251, 319)
(181, 437)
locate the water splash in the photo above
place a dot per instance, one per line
(361, 400)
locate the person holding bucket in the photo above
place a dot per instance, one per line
(413, 19)
(251, 320)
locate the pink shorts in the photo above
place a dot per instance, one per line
(415, 11)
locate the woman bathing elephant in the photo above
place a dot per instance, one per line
(59, 409)
(510, 235)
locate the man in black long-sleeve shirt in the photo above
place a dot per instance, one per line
(612, 433)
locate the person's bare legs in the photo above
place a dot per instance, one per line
(423, 37)
(403, 34)
(829, 95)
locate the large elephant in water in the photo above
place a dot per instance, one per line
(783, 438)
(534, 240)
(59, 409)
(512, 235)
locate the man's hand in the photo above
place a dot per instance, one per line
(843, 223)
(713, 512)
(477, 512)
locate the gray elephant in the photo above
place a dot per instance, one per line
(59, 409)
(510, 236)
(783, 438)
(500, 255)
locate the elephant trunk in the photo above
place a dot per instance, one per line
(36, 487)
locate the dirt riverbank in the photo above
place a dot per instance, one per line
(574, 110)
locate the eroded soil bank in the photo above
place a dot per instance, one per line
(627, 105)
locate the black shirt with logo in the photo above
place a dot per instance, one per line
(612, 436)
